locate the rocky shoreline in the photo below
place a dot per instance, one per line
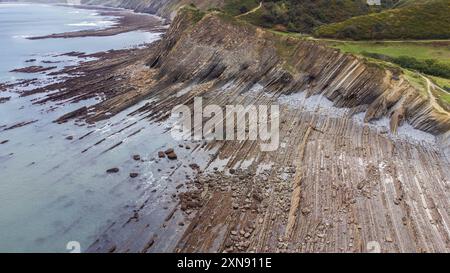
(127, 21)
(334, 185)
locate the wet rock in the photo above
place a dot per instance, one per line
(4, 142)
(4, 99)
(232, 171)
(112, 170)
(33, 69)
(134, 175)
(172, 156)
(137, 157)
(194, 166)
(69, 138)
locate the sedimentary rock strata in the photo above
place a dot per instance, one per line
(335, 184)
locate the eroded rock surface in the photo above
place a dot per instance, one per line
(335, 184)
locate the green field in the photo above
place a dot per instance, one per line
(421, 50)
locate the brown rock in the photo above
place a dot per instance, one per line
(137, 157)
(194, 166)
(161, 154)
(172, 156)
(169, 151)
(33, 69)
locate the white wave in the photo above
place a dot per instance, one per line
(8, 5)
(92, 24)
(20, 36)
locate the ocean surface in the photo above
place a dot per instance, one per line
(50, 192)
(19, 21)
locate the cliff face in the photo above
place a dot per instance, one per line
(222, 50)
(331, 178)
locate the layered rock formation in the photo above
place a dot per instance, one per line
(243, 54)
(334, 184)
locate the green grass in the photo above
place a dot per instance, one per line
(439, 51)
(303, 16)
(441, 82)
(412, 20)
(236, 7)
(429, 57)
(416, 81)
(443, 97)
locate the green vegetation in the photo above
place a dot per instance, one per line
(421, 50)
(303, 16)
(432, 58)
(429, 66)
(416, 81)
(410, 20)
(441, 82)
(195, 13)
(237, 7)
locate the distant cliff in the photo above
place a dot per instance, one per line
(164, 8)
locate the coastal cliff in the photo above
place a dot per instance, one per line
(221, 49)
(330, 180)
(332, 177)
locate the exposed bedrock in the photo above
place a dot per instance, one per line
(222, 50)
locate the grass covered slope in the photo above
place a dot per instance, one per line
(303, 16)
(410, 20)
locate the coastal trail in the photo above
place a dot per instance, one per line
(251, 11)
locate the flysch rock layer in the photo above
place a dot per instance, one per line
(336, 184)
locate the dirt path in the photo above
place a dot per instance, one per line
(251, 11)
(433, 101)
